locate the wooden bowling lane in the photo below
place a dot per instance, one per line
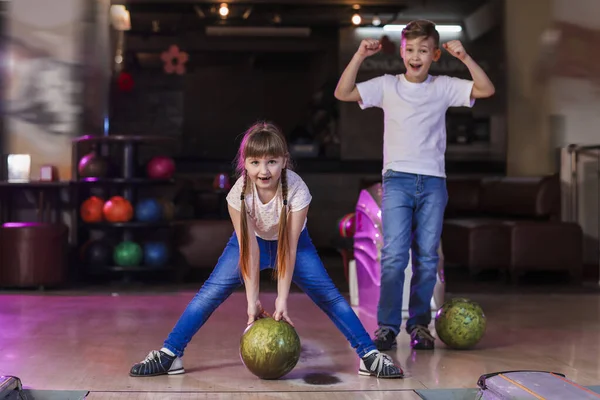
(78, 341)
(373, 395)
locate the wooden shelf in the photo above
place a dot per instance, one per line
(125, 181)
(124, 139)
(127, 225)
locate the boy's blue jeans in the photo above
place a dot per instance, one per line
(412, 216)
(309, 274)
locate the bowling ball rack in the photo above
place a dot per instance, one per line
(126, 157)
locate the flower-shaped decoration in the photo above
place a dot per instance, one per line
(174, 60)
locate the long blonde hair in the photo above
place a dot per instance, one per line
(264, 139)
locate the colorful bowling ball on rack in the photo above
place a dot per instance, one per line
(117, 209)
(97, 253)
(168, 209)
(92, 166)
(148, 210)
(91, 210)
(156, 254)
(128, 254)
(160, 167)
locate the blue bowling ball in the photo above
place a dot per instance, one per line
(148, 210)
(156, 254)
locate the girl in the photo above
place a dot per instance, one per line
(268, 206)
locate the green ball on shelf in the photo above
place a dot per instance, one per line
(128, 254)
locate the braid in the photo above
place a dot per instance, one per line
(282, 245)
(244, 246)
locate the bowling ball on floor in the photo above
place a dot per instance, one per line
(460, 323)
(270, 349)
(118, 209)
(160, 167)
(92, 166)
(128, 254)
(148, 210)
(91, 210)
(156, 254)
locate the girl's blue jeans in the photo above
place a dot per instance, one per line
(309, 274)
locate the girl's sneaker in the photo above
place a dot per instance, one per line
(379, 365)
(158, 363)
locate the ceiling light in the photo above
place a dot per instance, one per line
(440, 28)
(224, 10)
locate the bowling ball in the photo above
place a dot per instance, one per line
(97, 253)
(270, 349)
(92, 166)
(347, 225)
(148, 210)
(168, 209)
(91, 209)
(128, 254)
(117, 209)
(160, 167)
(156, 254)
(460, 323)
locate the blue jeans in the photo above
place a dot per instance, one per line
(412, 216)
(309, 274)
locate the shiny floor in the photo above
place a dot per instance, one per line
(88, 341)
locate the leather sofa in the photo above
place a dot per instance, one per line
(512, 225)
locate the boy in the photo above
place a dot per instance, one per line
(414, 180)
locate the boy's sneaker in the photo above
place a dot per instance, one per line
(385, 339)
(379, 365)
(158, 363)
(421, 338)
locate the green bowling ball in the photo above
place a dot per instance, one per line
(460, 323)
(128, 254)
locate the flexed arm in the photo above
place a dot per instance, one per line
(346, 88)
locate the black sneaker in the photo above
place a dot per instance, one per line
(421, 338)
(385, 339)
(379, 365)
(158, 363)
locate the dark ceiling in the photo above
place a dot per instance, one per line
(168, 17)
(156, 24)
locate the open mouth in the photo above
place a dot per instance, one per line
(264, 179)
(415, 67)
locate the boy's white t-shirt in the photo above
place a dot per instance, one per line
(414, 137)
(266, 216)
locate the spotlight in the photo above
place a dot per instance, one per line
(224, 10)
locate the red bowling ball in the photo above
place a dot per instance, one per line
(160, 167)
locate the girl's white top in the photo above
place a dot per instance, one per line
(266, 216)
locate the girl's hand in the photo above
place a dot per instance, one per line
(255, 311)
(281, 311)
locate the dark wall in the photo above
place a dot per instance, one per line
(222, 92)
(222, 101)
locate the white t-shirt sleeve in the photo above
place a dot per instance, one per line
(458, 92)
(233, 197)
(371, 92)
(299, 194)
